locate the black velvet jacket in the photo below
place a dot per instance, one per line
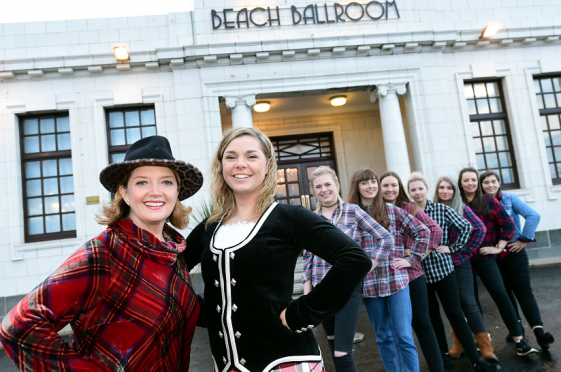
(248, 285)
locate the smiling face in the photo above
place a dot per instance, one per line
(244, 166)
(368, 190)
(151, 193)
(325, 189)
(469, 183)
(390, 189)
(490, 185)
(445, 192)
(418, 191)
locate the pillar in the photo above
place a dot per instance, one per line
(240, 109)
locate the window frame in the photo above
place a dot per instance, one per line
(41, 156)
(496, 116)
(304, 137)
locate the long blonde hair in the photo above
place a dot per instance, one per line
(321, 170)
(222, 196)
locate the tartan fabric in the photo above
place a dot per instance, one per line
(127, 298)
(354, 222)
(438, 265)
(435, 236)
(498, 223)
(294, 367)
(385, 279)
(477, 236)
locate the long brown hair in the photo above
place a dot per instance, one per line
(486, 174)
(402, 196)
(319, 171)
(478, 201)
(222, 196)
(379, 211)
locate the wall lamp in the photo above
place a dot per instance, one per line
(490, 31)
(262, 106)
(121, 53)
(338, 100)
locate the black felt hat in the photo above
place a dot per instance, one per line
(152, 151)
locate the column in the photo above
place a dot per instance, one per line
(240, 109)
(395, 145)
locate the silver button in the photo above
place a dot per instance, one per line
(298, 331)
(232, 255)
(224, 359)
(216, 284)
(310, 326)
(233, 282)
(304, 329)
(234, 307)
(218, 308)
(238, 334)
(220, 334)
(242, 361)
(214, 257)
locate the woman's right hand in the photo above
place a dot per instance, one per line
(307, 287)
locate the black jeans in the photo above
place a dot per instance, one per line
(449, 295)
(491, 277)
(343, 325)
(515, 270)
(464, 275)
(422, 324)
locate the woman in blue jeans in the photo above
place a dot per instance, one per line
(513, 263)
(385, 289)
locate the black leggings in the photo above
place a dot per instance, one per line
(422, 324)
(490, 275)
(343, 325)
(449, 295)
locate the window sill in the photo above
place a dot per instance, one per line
(61, 243)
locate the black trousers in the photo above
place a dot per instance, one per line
(449, 295)
(422, 324)
(515, 270)
(491, 277)
(343, 325)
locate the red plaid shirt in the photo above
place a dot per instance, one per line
(126, 296)
(435, 236)
(355, 223)
(385, 279)
(498, 223)
(477, 236)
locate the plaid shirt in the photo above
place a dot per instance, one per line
(355, 223)
(477, 236)
(385, 279)
(126, 296)
(498, 223)
(439, 265)
(435, 236)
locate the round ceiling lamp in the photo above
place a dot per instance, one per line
(263, 106)
(338, 100)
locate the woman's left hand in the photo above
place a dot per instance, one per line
(517, 246)
(283, 319)
(401, 263)
(490, 250)
(443, 249)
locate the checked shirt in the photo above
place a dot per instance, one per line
(355, 223)
(477, 236)
(438, 265)
(385, 280)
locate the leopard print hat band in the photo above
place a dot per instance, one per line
(152, 151)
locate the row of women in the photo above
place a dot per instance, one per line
(128, 298)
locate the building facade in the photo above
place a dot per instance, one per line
(424, 91)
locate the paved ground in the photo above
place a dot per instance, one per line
(546, 283)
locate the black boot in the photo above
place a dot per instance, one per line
(345, 363)
(544, 339)
(479, 365)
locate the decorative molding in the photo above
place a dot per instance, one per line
(382, 90)
(232, 101)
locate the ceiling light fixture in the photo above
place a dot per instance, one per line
(490, 31)
(338, 100)
(121, 53)
(263, 106)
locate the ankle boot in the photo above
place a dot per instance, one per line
(345, 363)
(458, 350)
(484, 341)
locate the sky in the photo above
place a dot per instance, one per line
(13, 11)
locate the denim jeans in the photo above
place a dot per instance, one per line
(464, 276)
(391, 317)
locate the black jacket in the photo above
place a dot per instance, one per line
(247, 286)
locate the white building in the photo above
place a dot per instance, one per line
(425, 91)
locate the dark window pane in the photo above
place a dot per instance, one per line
(294, 189)
(492, 160)
(489, 144)
(63, 124)
(537, 87)
(502, 143)
(133, 135)
(504, 159)
(508, 177)
(33, 188)
(468, 91)
(35, 225)
(486, 128)
(148, 131)
(52, 205)
(471, 107)
(556, 84)
(558, 96)
(556, 137)
(549, 100)
(480, 90)
(50, 186)
(31, 144)
(116, 119)
(281, 191)
(67, 202)
(69, 222)
(475, 129)
(66, 185)
(495, 104)
(543, 120)
(63, 141)
(282, 201)
(553, 121)
(493, 89)
(552, 171)
(539, 99)
(132, 119)
(557, 151)
(480, 161)
(65, 166)
(295, 201)
(49, 168)
(549, 151)
(482, 106)
(31, 126)
(116, 158)
(47, 125)
(52, 223)
(147, 117)
(118, 137)
(546, 138)
(48, 143)
(292, 174)
(477, 145)
(547, 87)
(499, 126)
(34, 206)
(33, 169)
(280, 176)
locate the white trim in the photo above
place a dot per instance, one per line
(292, 359)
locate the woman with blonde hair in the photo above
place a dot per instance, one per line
(126, 293)
(354, 222)
(248, 250)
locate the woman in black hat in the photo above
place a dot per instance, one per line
(126, 292)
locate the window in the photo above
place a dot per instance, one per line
(48, 183)
(304, 147)
(548, 95)
(490, 130)
(125, 127)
